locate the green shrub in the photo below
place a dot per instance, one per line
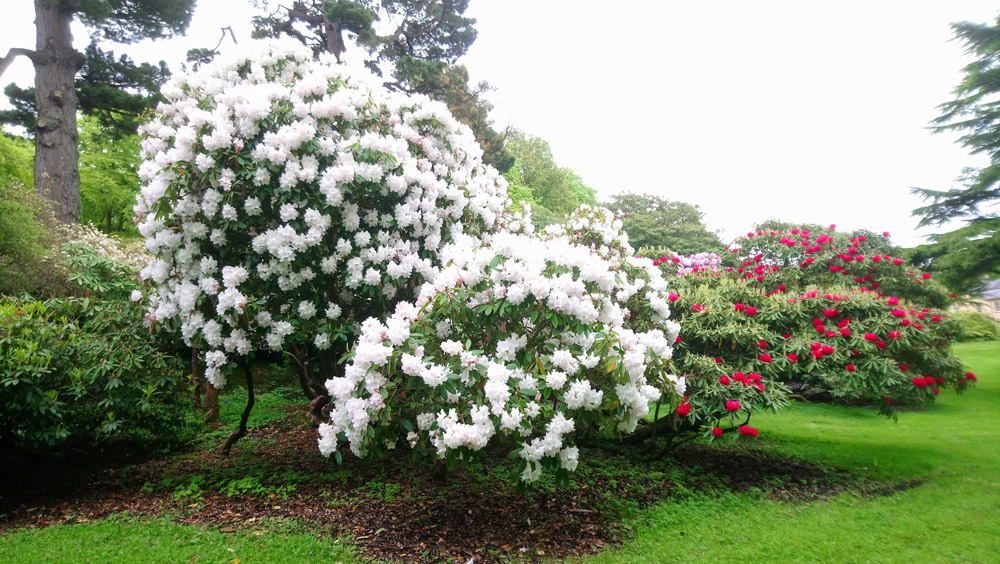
(78, 369)
(83, 369)
(976, 326)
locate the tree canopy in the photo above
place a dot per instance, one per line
(535, 178)
(652, 221)
(968, 253)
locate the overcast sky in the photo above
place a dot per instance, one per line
(802, 111)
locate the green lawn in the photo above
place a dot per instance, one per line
(951, 515)
(124, 541)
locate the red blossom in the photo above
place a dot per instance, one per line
(683, 409)
(762, 345)
(871, 337)
(724, 380)
(895, 334)
(970, 376)
(718, 360)
(850, 368)
(697, 308)
(672, 297)
(904, 367)
(792, 357)
(926, 276)
(766, 358)
(732, 405)
(830, 312)
(717, 431)
(748, 431)
(750, 310)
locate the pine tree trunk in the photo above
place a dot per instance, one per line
(57, 173)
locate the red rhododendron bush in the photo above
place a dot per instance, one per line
(811, 311)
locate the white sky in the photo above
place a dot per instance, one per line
(801, 111)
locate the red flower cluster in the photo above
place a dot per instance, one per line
(748, 431)
(732, 405)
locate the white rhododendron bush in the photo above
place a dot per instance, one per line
(531, 341)
(285, 202)
(288, 206)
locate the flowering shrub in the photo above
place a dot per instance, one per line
(785, 310)
(674, 263)
(286, 202)
(529, 341)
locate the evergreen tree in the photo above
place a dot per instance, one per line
(967, 254)
(57, 93)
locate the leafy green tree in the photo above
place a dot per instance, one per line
(966, 254)
(109, 179)
(652, 221)
(554, 191)
(22, 239)
(57, 93)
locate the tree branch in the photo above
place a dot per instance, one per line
(13, 54)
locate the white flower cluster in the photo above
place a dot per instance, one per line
(514, 338)
(285, 201)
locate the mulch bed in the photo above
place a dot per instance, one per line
(395, 510)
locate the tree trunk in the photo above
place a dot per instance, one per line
(57, 173)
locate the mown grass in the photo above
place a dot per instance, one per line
(126, 541)
(947, 510)
(951, 514)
